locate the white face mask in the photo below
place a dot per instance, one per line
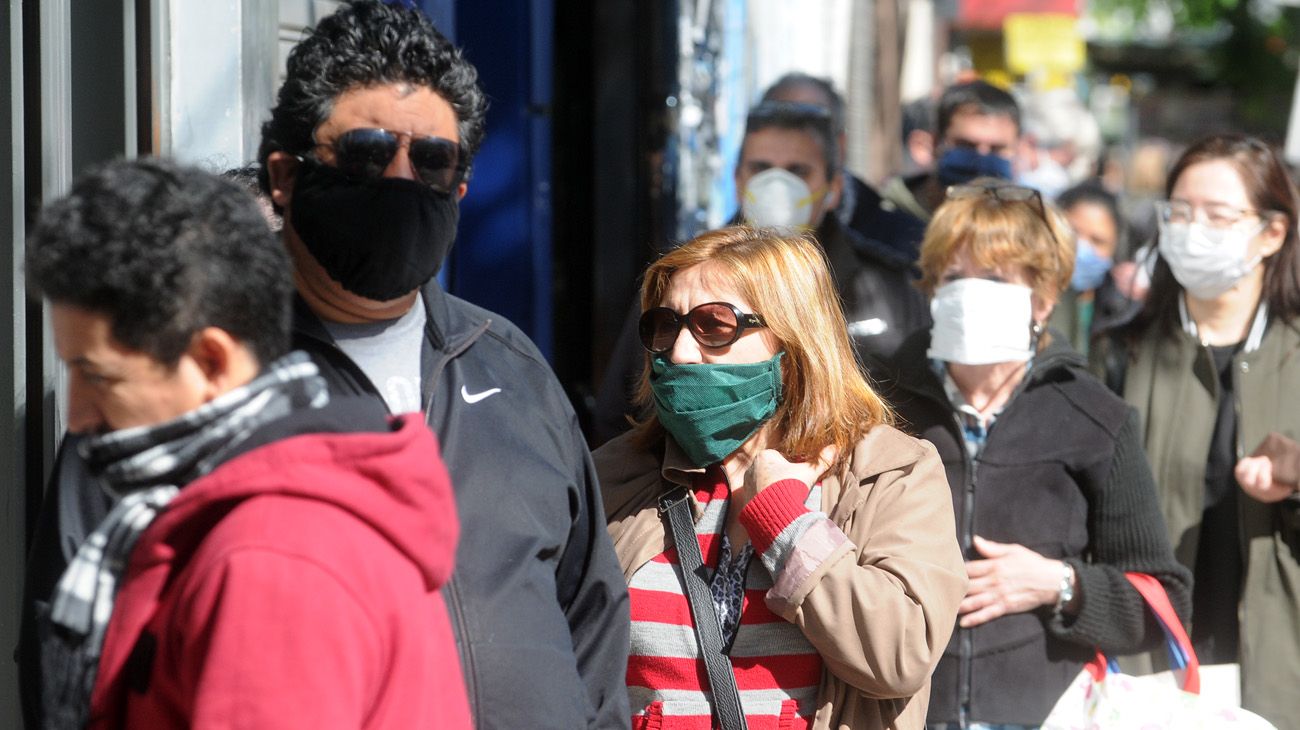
(977, 322)
(1207, 261)
(1049, 178)
(777, 198)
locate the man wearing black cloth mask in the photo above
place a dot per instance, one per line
(367, 154)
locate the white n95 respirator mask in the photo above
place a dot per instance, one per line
(777, 198)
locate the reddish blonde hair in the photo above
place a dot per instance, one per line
(826, 399)
(998, 234)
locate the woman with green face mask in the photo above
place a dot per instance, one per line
(829, 575)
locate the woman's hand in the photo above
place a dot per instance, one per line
(1255, 475)
(770, 467)
(1270, 474)
(1013, 579)
(1128, 279)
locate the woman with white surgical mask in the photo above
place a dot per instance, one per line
(1053, 497)
(1212, 363)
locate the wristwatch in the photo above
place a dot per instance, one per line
(1067, 587)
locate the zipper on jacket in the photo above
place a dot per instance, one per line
(448, 355)
(1043, 364)
(966, 642)
(1239, 366)
(451, 589)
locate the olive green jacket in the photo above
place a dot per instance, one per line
(1172, 383)
(879, 610)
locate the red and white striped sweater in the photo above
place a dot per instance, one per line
(777, 670)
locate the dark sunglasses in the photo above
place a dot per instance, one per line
(365, 153)
(1004, 193)
(716, 324)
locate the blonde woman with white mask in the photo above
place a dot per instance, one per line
(1212, 364)
(1053, 497)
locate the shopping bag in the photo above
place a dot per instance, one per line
(1102, 698)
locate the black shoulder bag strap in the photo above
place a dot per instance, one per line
(676, 509)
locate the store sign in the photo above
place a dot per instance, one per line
(1048, 42)
(990, 14)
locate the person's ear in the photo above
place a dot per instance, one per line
(1042, 309)
(738, 176)
(280, 170)
(835, 191)
(1273, 236)
(461, 190)
(223, 362)
(920, 147)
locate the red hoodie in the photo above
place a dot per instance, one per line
(296, 586)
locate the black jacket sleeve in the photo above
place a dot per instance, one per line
(1126, 534)
(74, 504)
(594, 598)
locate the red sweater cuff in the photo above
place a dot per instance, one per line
(775, 507)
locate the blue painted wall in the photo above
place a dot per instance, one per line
(502, 257)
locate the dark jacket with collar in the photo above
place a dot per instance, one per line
(881, 302)
(1062, 473)
(537, 601)
(880, 222)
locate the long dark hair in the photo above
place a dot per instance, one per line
(1270, 189)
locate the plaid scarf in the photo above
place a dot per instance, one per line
(144, 468)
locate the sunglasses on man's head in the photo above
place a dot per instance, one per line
(365, 153)
(716, 324)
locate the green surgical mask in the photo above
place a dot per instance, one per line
(710, 409)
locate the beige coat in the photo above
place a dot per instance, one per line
(879, 611)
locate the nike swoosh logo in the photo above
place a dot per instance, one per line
(473, 398)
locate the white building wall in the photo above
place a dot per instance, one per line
(216, 66)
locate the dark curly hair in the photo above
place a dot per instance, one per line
(163, 251)
(367, 43)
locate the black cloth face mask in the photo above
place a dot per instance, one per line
(380, 238)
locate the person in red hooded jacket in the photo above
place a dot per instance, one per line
(274, 556)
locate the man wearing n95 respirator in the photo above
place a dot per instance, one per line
(788, 173)
(788, 177)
